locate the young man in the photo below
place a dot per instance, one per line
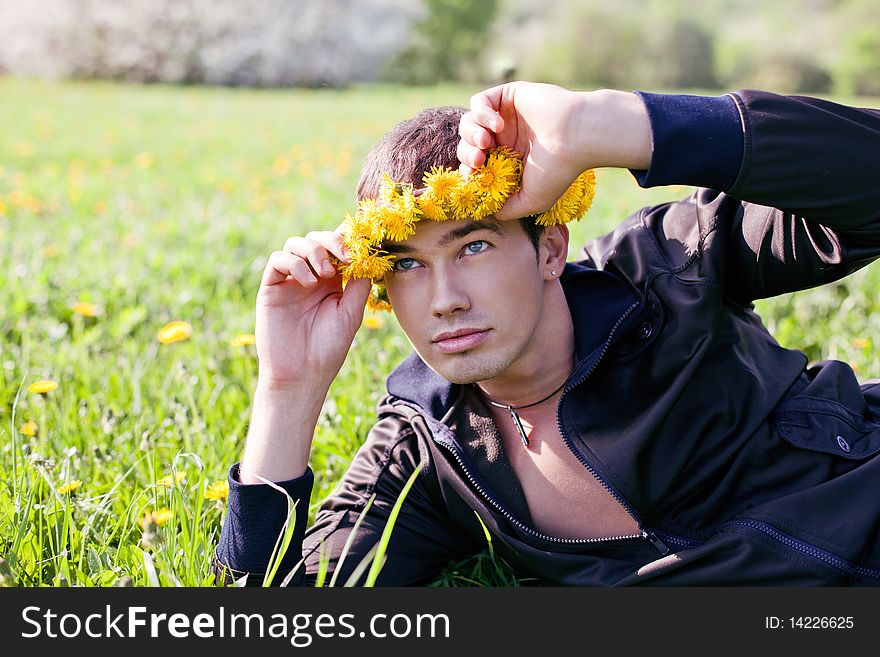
(622, 420)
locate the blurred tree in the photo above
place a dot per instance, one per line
(680, 54)
(860, 63)
(607, 49)
(446, 43)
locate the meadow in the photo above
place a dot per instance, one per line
(124, 209)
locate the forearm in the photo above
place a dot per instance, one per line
(280, 435)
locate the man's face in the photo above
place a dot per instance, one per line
(469, 295)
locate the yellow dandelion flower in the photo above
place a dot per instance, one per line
(464, 201)
(174, 332)
(144, 160)
(3, 210)
(219, 490)
(397, 225)
(372, 266)
(431, 208)
(367, 222)
(169, 482)
(29, 428)
(158, 517)
(573, 204)
(70, 487)
(85, 309)
(388, 189)
(24, 149)
(378, 299)
(42, 387)
(281, 165)
(441, 182)
(243, 339)
(374, 322)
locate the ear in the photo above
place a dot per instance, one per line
(553, 251)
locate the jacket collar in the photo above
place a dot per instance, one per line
(596, 299)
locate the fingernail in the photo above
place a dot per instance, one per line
(493, 125)
(327, 267)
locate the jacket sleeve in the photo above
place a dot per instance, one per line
(423, 540)
(789, 187)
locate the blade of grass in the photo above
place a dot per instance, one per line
(379, 561)
(284, 536)
(350, 540)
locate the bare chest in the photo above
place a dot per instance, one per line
(564, 498)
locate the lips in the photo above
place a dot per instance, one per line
(461, 340)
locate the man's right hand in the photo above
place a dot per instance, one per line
(305, 322)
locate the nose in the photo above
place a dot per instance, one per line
(449, 293)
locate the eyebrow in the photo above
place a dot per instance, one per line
(492, 225)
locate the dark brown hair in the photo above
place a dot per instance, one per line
(409, 150)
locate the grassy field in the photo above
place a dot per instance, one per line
(124, 208)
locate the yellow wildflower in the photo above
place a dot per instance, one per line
(397, 225)
(29, 428)
(243, 339)
(85, 309)
(445, 194)
(860, 343)
(42, 387)
(431, 208)
(174, 332)
(168, 481)
(144, 160)
(441, 182)
(378, 299)
(70, 487)
(51, 251)
(158, 517)
(374, 322)
(219, 490)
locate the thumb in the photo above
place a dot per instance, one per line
(354, 299)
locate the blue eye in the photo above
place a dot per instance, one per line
(404, 264)
(477, 247)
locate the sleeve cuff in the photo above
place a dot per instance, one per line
(254, 519)
(697, 140)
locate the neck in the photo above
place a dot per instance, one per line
(538, 371)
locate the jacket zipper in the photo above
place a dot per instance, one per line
(643, 533)
(648, 535)
(806, 548)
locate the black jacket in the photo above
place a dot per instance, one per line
(740, 464)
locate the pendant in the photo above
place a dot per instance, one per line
(519, 426)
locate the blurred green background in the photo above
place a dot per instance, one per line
(125, 206)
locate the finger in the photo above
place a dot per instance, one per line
(474, 134)
(485, 108)
(314, 252)
(469, 155)
(282, 265)
(354, 299)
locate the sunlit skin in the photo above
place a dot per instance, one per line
(486, 277)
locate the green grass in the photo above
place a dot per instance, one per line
(163, 203)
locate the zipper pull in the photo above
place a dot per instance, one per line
(660, 545)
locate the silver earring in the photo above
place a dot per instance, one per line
(553, 272)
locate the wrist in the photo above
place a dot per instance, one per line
(615, 129)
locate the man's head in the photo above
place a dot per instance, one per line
(470, 295)
(412, 147)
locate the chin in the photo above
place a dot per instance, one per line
(466, 369)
